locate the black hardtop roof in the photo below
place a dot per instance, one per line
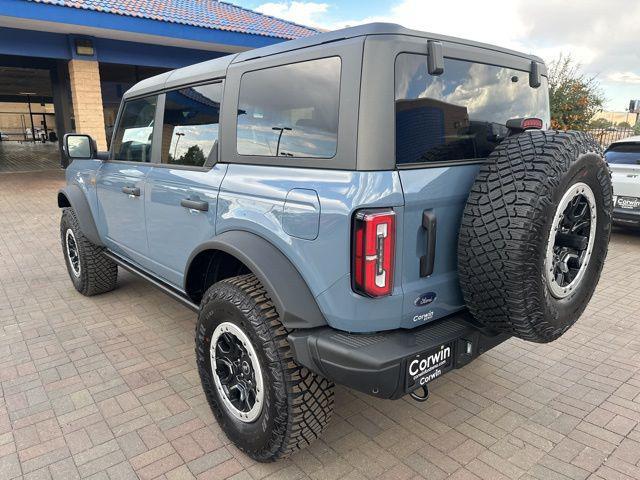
(377, 28)
(218, 66)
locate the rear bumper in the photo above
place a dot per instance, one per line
(377, 363)
(626, 217)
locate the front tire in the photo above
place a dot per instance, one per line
(268, 405)
(90, 271)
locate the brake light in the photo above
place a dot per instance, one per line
(374, 235)
(517, 125)
(529, 123)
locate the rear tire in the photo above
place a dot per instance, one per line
(296, 404)
(90, 271)
(516, 272)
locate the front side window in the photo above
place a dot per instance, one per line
(461, 114)
(132, 142)
(290, 110)
(190, 125)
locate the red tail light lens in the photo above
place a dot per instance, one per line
(374, 239)
(529, 123)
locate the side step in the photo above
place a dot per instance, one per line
(156, 282)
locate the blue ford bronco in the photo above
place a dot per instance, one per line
(373, 207)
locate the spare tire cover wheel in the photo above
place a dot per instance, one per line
(535, 232)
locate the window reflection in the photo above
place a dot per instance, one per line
(190, 125)
(290, 110)
(133, 138)
(462, 113)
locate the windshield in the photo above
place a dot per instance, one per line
(461, 114)
(628, 154)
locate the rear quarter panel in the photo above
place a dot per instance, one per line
(257, 199)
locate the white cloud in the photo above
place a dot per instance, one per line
(304, 13)
(599, 34)
(463, 18)
(583, 55)
(624, 77)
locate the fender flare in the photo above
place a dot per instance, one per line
(287, 289)
(73, 196)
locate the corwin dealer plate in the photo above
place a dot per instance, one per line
(628, 203)
(429, 365)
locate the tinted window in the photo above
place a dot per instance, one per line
(190, 125)
(462, 113)
(291, 110)
(133, 138)
(628, 153)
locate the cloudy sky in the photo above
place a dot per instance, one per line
(604, 35)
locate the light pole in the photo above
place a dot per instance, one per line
(281, 130)
(175, 148)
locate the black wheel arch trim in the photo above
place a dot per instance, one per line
(73, 196)
(281, 279)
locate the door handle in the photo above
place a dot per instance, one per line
(428, 259)
(195, 204)
(131, 191)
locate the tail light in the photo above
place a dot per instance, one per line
(374, 239)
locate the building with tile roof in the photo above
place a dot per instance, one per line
(209, 14)
(77, 57)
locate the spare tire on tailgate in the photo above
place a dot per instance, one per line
(535, 233)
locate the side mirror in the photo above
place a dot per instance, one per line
(78, 146)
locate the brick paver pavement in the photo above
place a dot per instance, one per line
(106, 388)
(28, 157)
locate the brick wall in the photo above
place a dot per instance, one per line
(86, 96)
(167, 136)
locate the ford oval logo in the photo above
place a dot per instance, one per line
(425, 299)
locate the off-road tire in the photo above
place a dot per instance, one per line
(507, 222)
(298, 404)
(98, 274)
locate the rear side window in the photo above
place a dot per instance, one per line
(132, 141)
(461, 114)
(624, 153)
(190, 125)
(290, 110)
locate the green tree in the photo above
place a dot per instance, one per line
(193, 156)
(574, 97)
(624, 125)
(600, 123)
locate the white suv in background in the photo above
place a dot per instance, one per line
(623, 157)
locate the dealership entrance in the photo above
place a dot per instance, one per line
(26, 102)
(64, 66)
(31, 93)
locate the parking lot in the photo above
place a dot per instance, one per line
(106, 387)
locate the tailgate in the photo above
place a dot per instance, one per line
(434, 201)
(626, 180)
(450, 114)
(624, 160)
